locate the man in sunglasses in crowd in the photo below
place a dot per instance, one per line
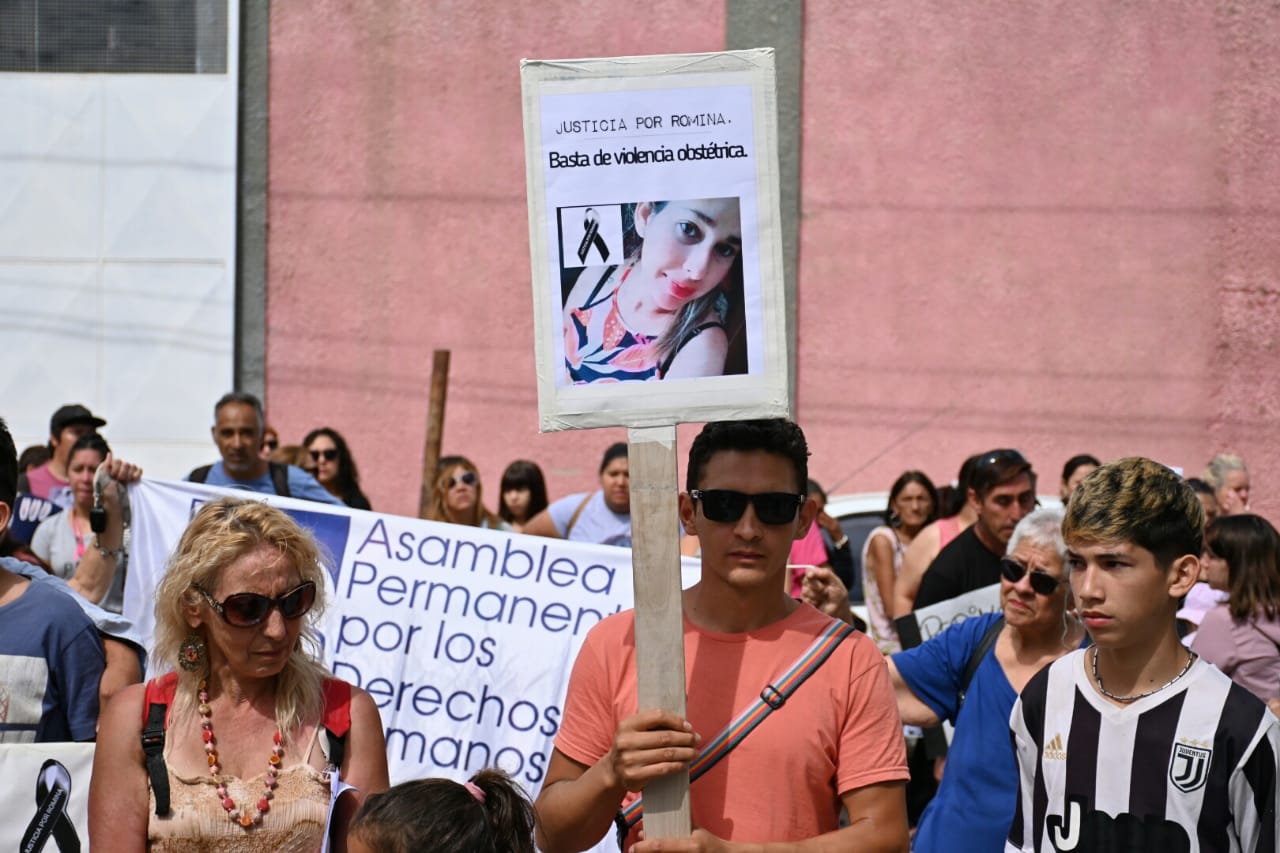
(836, 741)
(974, 804)
(1002, 491)
(237, 431)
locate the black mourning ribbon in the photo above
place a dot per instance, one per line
(591, 237)
(53, 790)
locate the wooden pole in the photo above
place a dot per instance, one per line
(655, 558)
(435, 427)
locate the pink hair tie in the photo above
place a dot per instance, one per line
(475, 790)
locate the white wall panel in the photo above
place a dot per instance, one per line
(117, 254)
(49, 329)
(50, 166)
(169, 164)
(163, 325)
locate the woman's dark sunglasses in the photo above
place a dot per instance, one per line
(246, 609)
(1042, 582)
(468, 477)
(329, 453)
(726, 505)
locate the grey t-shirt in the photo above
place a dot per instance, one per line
(596, 523)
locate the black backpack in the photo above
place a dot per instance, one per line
(279, 477)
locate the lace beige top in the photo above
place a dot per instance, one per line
(197, 823)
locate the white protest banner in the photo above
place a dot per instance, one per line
(45, 791)
(464, 637)
(655, 238)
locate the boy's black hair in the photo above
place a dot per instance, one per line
(772, 435)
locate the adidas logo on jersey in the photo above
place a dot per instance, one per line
(1053, 750)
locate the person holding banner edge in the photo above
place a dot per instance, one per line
(836, 736)
(671, 309)
(181, 760)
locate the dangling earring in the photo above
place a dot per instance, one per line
(191, 653)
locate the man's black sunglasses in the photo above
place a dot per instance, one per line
(726, 505)
(1042, 582)
(246, 609)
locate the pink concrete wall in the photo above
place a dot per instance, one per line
(1052, 226)
(398, 223)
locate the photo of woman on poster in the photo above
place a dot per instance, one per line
(672, 309)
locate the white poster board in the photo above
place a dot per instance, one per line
(655, 237)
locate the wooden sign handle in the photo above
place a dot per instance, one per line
(435, 427)
(655, 560)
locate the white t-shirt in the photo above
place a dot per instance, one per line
(596, 523)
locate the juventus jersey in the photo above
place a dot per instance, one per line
(1189, 769)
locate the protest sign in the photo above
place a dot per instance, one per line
(45, 789)
(464, 637)
(654, 229)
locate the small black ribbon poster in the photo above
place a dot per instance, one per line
(53, 790)
(591, 236)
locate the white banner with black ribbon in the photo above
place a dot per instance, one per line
(45, 791)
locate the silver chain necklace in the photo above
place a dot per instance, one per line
(1191, 656)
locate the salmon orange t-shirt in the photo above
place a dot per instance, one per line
(838, 732)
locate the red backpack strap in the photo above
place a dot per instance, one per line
(337, 718)
(155, 718)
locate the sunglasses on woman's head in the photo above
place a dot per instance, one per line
(246, 609)
(1042, 583)
(727, 505)
(329, 453)
(468, 477)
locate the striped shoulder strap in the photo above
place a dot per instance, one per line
(772, 697)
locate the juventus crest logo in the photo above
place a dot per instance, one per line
(1189, 766)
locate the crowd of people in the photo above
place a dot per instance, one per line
(1117, 699)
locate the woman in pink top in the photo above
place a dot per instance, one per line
(1241, 636)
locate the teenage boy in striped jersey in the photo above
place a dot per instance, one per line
(1135, 744)
(836, 741)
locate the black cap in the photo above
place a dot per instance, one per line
(73, 414)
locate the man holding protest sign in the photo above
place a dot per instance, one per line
(835, 741)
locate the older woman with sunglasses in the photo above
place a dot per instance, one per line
(998, 653)
(457, 497)
(241, 752)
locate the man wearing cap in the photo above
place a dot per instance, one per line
(1002, 491)
(50, 480)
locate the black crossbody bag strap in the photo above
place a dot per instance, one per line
(153, 749)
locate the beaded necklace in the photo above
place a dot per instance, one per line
(210, 747)
(1191, 656)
